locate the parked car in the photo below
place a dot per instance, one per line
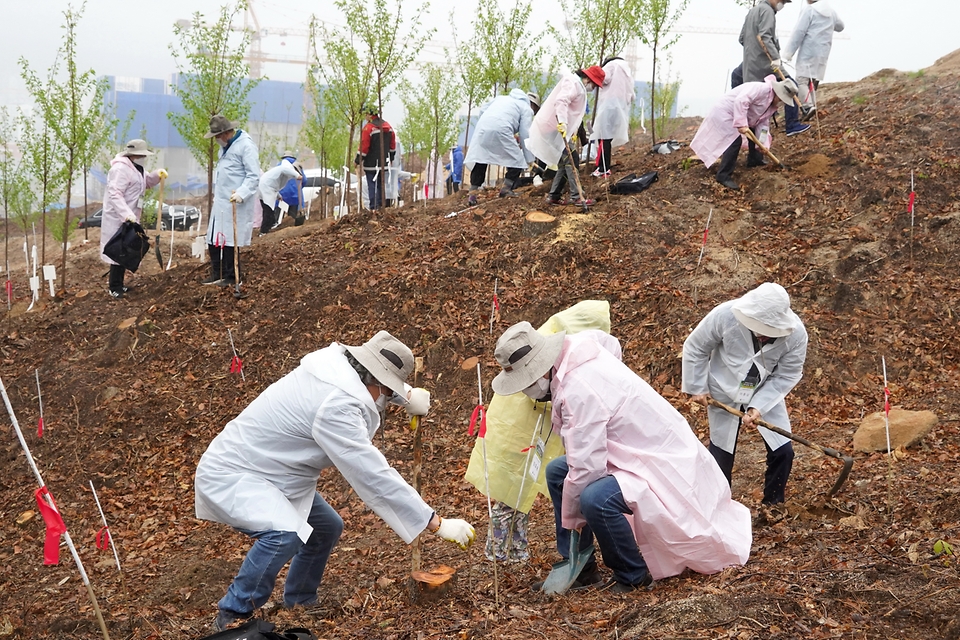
(93, 220)
(182, 217)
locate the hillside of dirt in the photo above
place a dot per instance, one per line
(134, 390)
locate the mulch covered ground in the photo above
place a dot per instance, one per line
(132, 405)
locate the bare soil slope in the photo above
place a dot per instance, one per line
(133, 408)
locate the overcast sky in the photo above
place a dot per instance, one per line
(124, 38)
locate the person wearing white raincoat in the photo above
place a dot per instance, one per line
(557, 121)
(270, 184)
(749, 353)
(499, 139)
(812, 40)
(628, 453)
(236, 180)
(123, 200)
(612, 124)
(259, 475)
(748, 106)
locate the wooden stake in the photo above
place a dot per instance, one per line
(486, 481)
(415, 424)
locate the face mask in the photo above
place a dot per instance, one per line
(138, 161)
(779, 7)
(539, 390)
(221, 142)
(381, 402)
(589, 86)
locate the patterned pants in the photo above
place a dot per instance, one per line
(509, 540)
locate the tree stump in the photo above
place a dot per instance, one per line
(537, 223)
(427, 586)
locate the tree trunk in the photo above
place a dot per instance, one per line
(86, 229)
(66, 224)
(346, 163)
(537, 223)
(466, 135)
(653, 101)
(209, 183)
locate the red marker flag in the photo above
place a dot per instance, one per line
(479, 415)
(236, 365)
(496, 302)
(886, 401)
(913, 198)
(55, 525)
(40, 427)
(103, 538)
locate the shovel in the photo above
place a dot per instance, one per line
(827, 451)
(764, 150)
(576, 173)
(566, 572)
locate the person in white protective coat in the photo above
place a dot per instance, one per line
(499, 139)
(628, 453)
(123, 200)
(236, 181)
(746, 107)
(270, 184)
(749, 353)
(557, 121)
(612, 124)
(259, 475)
(811, 41)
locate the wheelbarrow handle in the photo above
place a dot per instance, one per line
(833, 453)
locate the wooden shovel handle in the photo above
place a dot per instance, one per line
(763, 149)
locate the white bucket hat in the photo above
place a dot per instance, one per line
(389, 360)
(525, 355)
(786, 90)
(766, 311)
(136, 147)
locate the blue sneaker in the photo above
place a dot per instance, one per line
(797, 129)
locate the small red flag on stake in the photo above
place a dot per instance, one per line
(479, 417)
(40, 427)
(55, 526)
(9, 290)
(103, 538)
(236, 365)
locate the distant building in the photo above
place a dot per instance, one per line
(276, 116)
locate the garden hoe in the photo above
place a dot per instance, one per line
(833, 453)
(157, 229)
(764, 150)
(236, 256)
(566, 572)
(576, 172)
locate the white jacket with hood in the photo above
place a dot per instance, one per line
(260, 473)
(501, 128)
(614, 104)
(812, 39)
(566, 103)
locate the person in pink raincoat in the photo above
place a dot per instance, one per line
(123, 200)
(628, 453)
(748, 106)
(557, 121)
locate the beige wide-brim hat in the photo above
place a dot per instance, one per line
(389, 360)
(766, 311)
(525, 355)
(533, 97)
(219, 124)
(136, 147)
(786, 90)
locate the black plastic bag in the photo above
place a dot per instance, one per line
(257, 629)
(128, 246)
(633, 184)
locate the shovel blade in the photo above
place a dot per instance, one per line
(565, 573)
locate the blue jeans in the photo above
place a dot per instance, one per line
(272, 550)
(374, 188)
(603, 508)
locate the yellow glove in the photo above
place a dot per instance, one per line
(162, 174)
(414, 177)
(562, 128)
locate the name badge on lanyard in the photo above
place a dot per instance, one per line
(140, 202)
(748, 386)
(537, 459)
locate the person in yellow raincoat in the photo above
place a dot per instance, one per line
(519, 446)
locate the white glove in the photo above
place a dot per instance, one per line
(418, 402)
(236, 198)
(162, 174)
(775, 64)
(460, 532)
(788, 58)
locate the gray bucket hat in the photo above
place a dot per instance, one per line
(218, 125)
(525, 355)
(136, 147)
(389, 360)
(533, 97)
(786, 90)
